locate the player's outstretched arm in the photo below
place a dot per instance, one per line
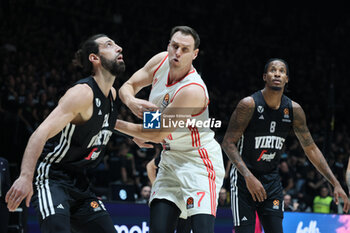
(238, 123)
(140, 79)
(186, 103)
(315, 155)
(75, 101)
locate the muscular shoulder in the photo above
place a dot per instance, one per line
(190, 96)
(247, 103)
(155, 61)
(298, 113)
(78, 98)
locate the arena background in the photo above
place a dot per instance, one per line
(39, 37)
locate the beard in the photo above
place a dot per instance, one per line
(114, 67)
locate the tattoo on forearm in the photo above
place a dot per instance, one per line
(324, 168)
(238, 123)
(300, 128)
(236, 159)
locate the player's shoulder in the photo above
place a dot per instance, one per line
(295, 104)
(158, 58)
(79, 94)
(247, 101)
(156, 61)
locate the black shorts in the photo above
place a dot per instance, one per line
(242, 204)
(61, 193)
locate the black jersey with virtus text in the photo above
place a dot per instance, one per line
(78, 147)
(263, 141)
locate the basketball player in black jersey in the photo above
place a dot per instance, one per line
(254, 141)
(72, 138)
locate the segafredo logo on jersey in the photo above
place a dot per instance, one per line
(157, 120)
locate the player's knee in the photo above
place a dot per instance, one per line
(203, 223)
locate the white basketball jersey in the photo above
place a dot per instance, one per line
(162, 94)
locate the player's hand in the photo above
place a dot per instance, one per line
(255, 188)
(142, 143)
(138, 106)
(339, 192)
(21, 188)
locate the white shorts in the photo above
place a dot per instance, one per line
(192, 180)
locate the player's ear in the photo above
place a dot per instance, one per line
(196, 51)
(287, 79)
(93, 58)
(264, 77)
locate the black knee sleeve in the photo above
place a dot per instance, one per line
(163, 216)
(203, 223)
(271, 223)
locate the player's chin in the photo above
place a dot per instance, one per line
(276, 88)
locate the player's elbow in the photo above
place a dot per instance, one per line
(225, 144)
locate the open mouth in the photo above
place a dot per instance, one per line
(120, 57)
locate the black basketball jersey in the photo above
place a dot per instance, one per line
(263, 141)
(82, 146)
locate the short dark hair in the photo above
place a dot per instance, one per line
(276, 59)
(86, 48)
(186, 30)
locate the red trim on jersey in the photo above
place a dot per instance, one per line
(197, 134)
(203, 153)
(204, 94)
(192, 136)
(202, 109)
(154, 73)
(186, 86)
(92, 151)
(196, 142)
(169, 85)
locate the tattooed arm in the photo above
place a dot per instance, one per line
(314, 154)
(238, 123)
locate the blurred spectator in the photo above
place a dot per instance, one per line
(224, 200)
(128, 170)
(286, 178)
(323, 203)
(144, 195)
(289, 205)
(311, 186)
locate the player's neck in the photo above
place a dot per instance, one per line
(104, 81)
(272, 97)
(176, 74)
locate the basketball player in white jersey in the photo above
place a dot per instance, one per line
(191, 170)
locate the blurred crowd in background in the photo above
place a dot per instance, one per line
(39, 38)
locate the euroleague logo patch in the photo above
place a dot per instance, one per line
(165, 100)
(276, 204)
(95, 206)
(190, 203)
